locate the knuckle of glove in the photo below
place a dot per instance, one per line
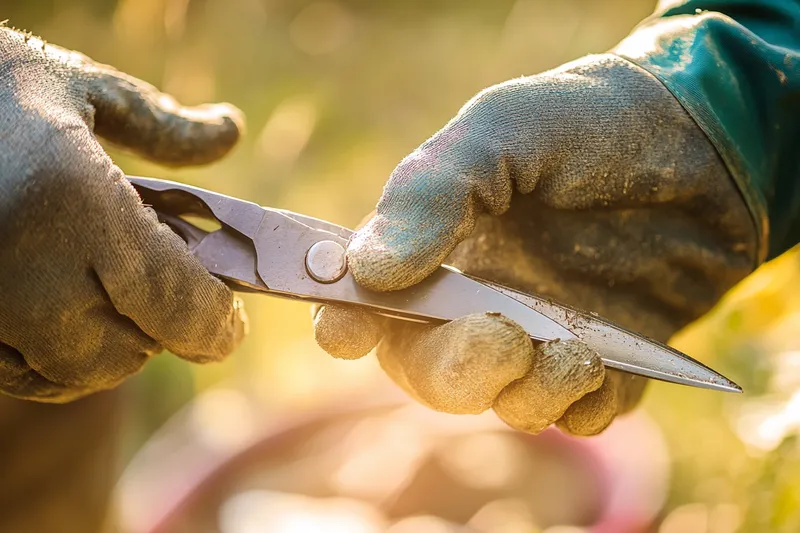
(74, 356)
(346, 332)
(223, 326)
(562, 373)
(208, 329)
(80, 341)
(593, 413)
(495, 105)
(459, 367)
(92, 370)
(19, 380)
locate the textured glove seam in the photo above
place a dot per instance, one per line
(755, 202)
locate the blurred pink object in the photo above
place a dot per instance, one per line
(395, 456)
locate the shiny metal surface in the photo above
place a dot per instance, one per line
(265, 250)
(271, 259)
(625, 350)
(326, 261)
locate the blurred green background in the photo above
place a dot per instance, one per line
(335, 94)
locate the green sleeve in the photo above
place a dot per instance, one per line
(735, 66)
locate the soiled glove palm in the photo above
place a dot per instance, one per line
(92, 285)
(589, 184)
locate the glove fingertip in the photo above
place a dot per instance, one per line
(592, 414)
(387, 256)
(229, 112)
(375, 263)
(136, 116)
(562, 373)
(346, 332)
(205, 133)
(223, 336)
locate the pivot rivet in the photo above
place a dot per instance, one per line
(326, 261)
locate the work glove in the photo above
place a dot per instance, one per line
(91, 284)
(589, 184)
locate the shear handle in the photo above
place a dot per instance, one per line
(173, 198)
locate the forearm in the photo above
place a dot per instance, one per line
(735, 66)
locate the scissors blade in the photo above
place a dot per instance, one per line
(624, 350)
(269, 256)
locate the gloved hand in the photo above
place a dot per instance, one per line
(92, 285)
(589, 184)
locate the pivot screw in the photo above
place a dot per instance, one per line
(326, 261)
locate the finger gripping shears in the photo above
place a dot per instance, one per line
(278, 252)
